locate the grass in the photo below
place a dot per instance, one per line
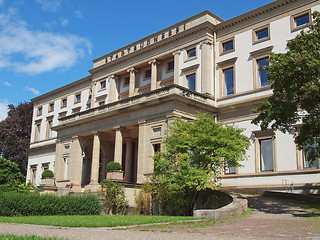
(93, 221)
(33, 237)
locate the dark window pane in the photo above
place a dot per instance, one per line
(264, 33)
(191, 53)
(301, 20)
(228, 81)
(170, 66)
(263, 79)
(227, 46)
(192, 82)
(266, 154)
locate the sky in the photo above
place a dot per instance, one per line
(46, 44)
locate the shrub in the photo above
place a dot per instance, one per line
(114, 198)
(28, 204)
(114, 166)
(47, 174)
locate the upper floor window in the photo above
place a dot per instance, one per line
(103, 84)
(64, 103)
(49, 135)
(262, 73)
(227, 46)
(51, 107)
(170, 66)
(261, 34)
(39, 111)
(147, 74)
(300, 20)
(228, 83)
(77, 98)
(191, 53)
(308, 161)
(37, 132)
(126, 81)
(192, 81)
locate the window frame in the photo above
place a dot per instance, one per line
(264, 135)
(168, 64)
(295, 16)
(33, 174)
(255, 39)
(51, 109)
(62, 102)
(49, 129)
(39, 111)
(221, 49)
(195, 81)
(124, 81)
(37, 133)
(76, 99)
(187, 50)
(225, 65)
(145, 75)
(101, 83)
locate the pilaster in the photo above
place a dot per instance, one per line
(132, 83)
(206, 66)
(154, 63)
(176, 55)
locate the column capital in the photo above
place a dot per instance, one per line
(207, 41)
(153, 62)
(132, 70)
(142, 122)
(118, 128)
(75, 137)
(176, 52)
(96, 133)
(113, 76)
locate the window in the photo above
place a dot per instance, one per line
(49, 135)
(262, 74)
(102, 103)
(147, 74)
(51, 107)
(264, 151)
(261, 34)
(266, 154)
(156, 147)
(64, 103)
(37, 133)
(103, 84)
(39, 111)
(307, 158)
(33, 176)
(65, 170)
(126, 81)
(192, 81)
(227, 46)
(191, 53)
(300, 20)
(45, 166)
(170, 66)
(77, 98)
(228, 81)
(229, 169)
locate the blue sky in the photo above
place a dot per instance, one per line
(45, 44)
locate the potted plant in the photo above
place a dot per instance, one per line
(114, 171)
(47, 178)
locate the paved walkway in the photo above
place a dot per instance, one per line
(271, 219)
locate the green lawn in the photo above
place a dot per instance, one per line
(93, 221)
(13, 237)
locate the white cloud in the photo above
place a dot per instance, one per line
(64, 22)
(3, 109)
(50, 5)
(33, 90)
(1, 2)
(78, 14)
(7, 83)
(23, 49)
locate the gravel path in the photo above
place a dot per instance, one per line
(271, 219)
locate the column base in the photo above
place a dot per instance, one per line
(94, 187)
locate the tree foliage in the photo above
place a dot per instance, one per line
(11, 178)
(294, 77)
(15, 133)
(191, 161)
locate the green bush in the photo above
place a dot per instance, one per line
(114, 166)
(47, 174)
(114, 198)
(28, 204)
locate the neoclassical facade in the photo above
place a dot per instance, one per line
(121, 111)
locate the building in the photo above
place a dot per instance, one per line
(120, 112)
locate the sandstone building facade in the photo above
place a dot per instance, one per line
(120, 112)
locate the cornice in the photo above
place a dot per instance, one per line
(257, 12)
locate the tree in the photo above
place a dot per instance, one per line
(294, 77)
(15, 133)
(191, 161)
(11, 178)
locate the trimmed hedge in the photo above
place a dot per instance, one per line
(28, 204)
(114, 166)
(47, 174)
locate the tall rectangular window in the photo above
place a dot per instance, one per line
(307, 158)
(37, 133)
(228, 83)
(64, 103)
(33, 177)
(147, 74)
(103, 84)
(77, 98)
(266, 154)
(50, 128)
(262, 74)
(170, 66)
(192, 82)
(51, 107)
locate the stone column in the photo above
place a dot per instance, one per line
(118, 145)
(75, 164)
(176, 55)
(129, 159)
(58, 161)
(113, 91)
(141, 152)
(103, 167)
(95, 162)
(206, 66)
(153, 64)
(132, 83)
(93, 94)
